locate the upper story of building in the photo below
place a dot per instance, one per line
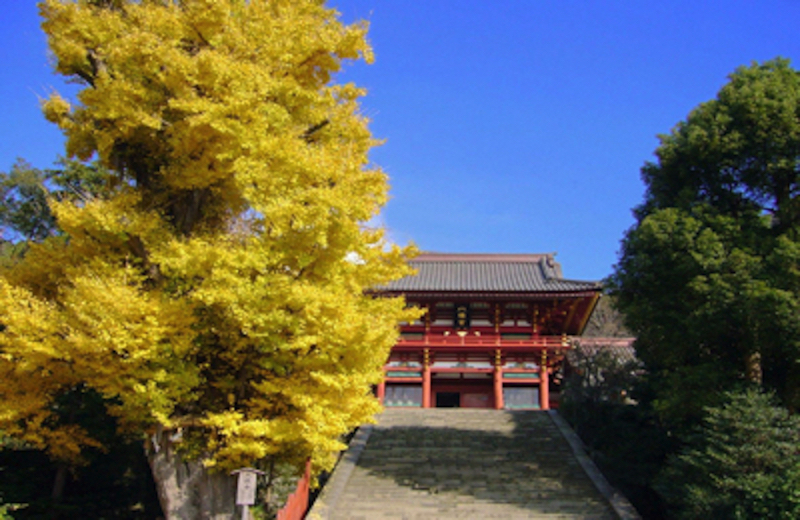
(489, 298)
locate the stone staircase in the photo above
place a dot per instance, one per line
(462, 463)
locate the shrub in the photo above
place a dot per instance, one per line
(742, 462)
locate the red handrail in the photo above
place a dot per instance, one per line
(431, 340)
(297, 503)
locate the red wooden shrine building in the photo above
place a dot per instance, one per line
(495, 328)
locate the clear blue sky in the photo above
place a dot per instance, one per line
(511, 125)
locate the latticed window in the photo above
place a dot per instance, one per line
(521, 397)
(516, 314)
(403, 395)
(443, 314)
(481, 314)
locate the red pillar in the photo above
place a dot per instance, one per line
(498, 380)
(544, 384)
(381, 391)
(426, 379)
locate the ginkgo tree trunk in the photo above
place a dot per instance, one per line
(213, 292)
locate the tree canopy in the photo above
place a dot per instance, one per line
(212, 291)
(25, 191)
(736, 153)
(708, 276)
(735, 468)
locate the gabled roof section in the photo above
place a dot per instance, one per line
(621, 349)
(527, 273)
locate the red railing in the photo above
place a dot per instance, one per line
(433, 340)
(297, 503)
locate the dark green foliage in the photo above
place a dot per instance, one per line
(737, 153)
(708, 279)
(704, 303)
(709, 282)
(24, 213)
(742, 463)
(25, 192)
(114, 483)
(601, 400)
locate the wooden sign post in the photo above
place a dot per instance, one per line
(246, 489)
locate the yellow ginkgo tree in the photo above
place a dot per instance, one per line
(213, 292)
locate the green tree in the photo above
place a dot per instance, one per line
(600, 399)
(213, 294)
(708, 278)
(24, 210)
(26, 218)
(26, 193)
(741, 463)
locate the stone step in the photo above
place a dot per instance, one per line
(462, 463)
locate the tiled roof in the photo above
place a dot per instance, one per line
(620, 348)
(441, 272)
